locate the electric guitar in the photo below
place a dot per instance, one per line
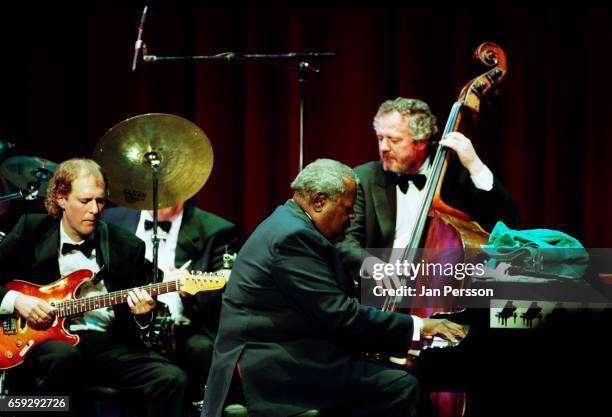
(18, 336)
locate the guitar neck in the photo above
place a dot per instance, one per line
(81, 305)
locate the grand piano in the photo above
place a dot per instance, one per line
(540, 346)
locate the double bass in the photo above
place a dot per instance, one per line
(444, 234)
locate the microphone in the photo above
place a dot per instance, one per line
(138, 43)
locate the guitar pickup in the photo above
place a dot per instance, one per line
(9, 325)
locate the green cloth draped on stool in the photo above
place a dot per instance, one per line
(539, 250)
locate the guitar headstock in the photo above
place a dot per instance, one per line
(195, 282)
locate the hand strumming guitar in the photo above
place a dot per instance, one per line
(35, 310)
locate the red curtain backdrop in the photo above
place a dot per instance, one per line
(65, 79)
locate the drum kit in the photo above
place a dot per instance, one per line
(152, 160)
(30, 175)
(147, 157)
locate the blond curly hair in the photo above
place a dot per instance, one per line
(61, 182)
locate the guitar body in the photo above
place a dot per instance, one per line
(18, 336)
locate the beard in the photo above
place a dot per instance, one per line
(395, 167)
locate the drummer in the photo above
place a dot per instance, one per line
(189, 238)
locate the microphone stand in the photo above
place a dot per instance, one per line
(152, 158)
(302, 70)
(29, 194)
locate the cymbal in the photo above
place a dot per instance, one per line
(24, 171)
(183, 150)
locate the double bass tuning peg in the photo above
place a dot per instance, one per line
(494, 75)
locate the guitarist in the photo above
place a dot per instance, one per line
(42, 248)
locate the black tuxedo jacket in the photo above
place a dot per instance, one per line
(203, 239)
(376, 208)
(291, 322)
(30, 253)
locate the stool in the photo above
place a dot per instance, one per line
(235, 410)
(238, 410)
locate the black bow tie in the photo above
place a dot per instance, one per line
(402, 181)
(86, 247)
(165, 225)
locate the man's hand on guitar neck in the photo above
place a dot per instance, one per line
(140, 302)
(35, 310)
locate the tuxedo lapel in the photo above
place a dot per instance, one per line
(46, 252)
(102, 252)
(131, 220)
(385, 202)
(189, 239)
(122, 217)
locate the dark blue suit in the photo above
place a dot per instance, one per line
(290, 321)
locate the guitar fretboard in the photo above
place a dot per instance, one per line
(81, 305)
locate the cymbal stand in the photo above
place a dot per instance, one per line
(29, 194)
(152, 159)
(33, 187)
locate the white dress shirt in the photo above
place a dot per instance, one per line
(166, 256)
(97, 320)
(408, 204)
